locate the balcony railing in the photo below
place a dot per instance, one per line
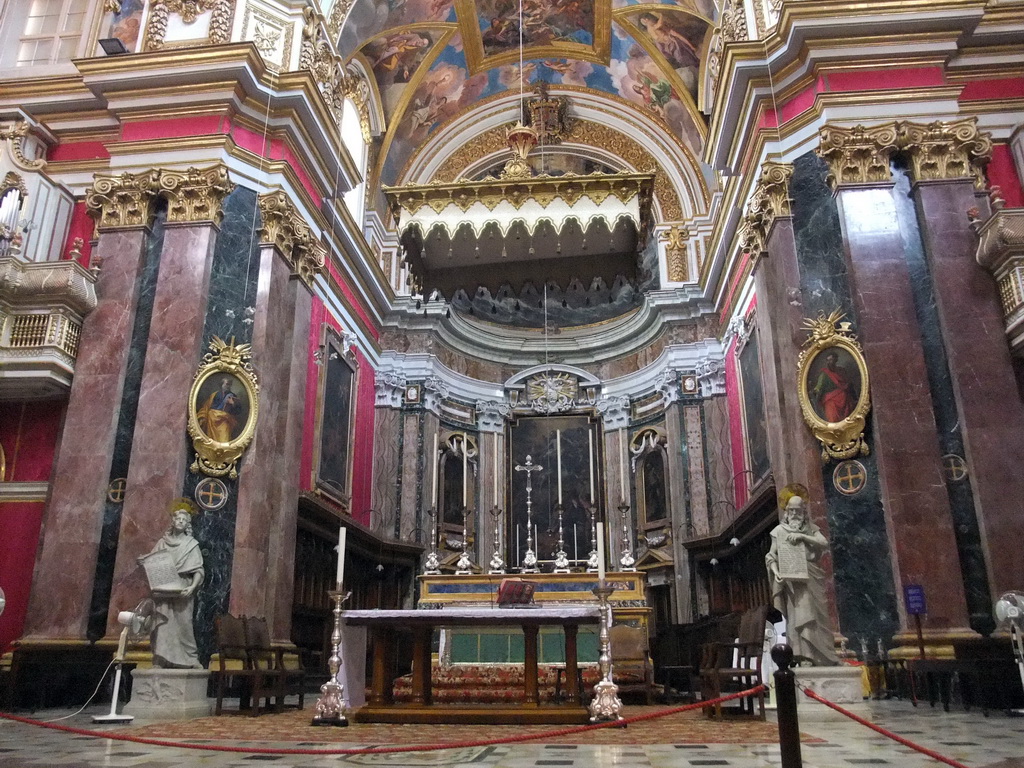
(42, 306)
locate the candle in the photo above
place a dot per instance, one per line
(465, 472)
(590, 441)
(341, 557)
(622, 466)
(517, 542)
(558, 454)
(600, 552)
(433, 458)
(495, 471)
(575, 544)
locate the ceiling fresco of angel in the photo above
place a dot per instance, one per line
(435, 60)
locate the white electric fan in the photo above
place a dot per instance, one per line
(1010, 614)
(137, 625)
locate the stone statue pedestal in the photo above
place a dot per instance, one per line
(169, 694)
(839, 684)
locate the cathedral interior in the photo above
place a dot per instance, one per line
(490, 286)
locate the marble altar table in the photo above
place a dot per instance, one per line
(384, 627)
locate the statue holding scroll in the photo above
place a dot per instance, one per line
(175, 570)
(797, 579)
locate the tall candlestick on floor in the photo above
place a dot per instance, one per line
(330, 706)
(606, 704)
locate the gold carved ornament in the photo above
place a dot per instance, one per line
(846, 377)
(196, 194)
(285, 229)
(124, 201)
(675, 253)
(222, 430)
(769, 201)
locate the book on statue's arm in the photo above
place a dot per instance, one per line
(792, 560)
(162, 573)
(516, 592)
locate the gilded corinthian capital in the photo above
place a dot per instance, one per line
(124, 201)
(196, 194)
(946, 150)
(284, 228)
(769, 201)
(857, 155)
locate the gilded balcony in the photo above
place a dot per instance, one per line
(42, 306)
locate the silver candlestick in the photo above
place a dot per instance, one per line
(464, 566)
(561, 558)
(330, 706)
(606, 704)
(627, 561)
(592, 564)
(497, 564)
(530, 557)
(433, 564)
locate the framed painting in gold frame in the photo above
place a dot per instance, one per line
(223, 406)
(832, 379)
(334, 436)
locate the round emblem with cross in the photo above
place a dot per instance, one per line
(115, 491)
(849, 477)
(954, 467)
(211, 494)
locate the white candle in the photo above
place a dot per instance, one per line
(433, 459)
(622, 439)
(517, 542)
(495, 471)
(558, 454)
(590, 441)
(600, 552)
(341, 557)
(575, 544)
(465, 472)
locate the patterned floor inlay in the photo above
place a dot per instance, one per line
(834, 742)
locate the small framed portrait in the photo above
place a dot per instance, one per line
(223, 406)
(834, 396)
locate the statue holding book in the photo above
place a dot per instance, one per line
(798, 581)
(175, 571)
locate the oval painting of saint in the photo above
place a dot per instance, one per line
(222, 407)
(833, 384)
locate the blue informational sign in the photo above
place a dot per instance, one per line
(913, 596)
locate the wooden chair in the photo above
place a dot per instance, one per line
(632, 669)
(727, 666)
(234, 673)
(267, 660)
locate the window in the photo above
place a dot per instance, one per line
(53, 30)
(352, 138)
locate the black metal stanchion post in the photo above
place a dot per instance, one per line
(785, 697)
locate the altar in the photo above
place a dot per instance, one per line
(385, 626)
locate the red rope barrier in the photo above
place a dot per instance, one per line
(879, 729)
(386, 750)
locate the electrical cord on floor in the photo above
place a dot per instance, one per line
(91, 697)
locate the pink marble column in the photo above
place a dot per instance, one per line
(66, 561)
(991, 412)
(794, 452)
(263, 517)
(909, 461)
(160, 452)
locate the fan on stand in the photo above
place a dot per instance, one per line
(137, 626)
(1010, 614)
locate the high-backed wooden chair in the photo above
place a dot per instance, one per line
(265, 659)
(234, 672)
(730, 666)
(632, 669)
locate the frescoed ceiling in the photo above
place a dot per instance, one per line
(436, 61)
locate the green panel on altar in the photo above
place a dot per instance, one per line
(481, 646)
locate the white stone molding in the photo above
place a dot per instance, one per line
(390, 389)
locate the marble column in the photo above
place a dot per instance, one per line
(991, 415)
(794, 453)
(66, 562)
(262, 568)
(914, 496)
(175, 344)
(677, 474)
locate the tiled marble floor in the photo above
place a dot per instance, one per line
(996, 741)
